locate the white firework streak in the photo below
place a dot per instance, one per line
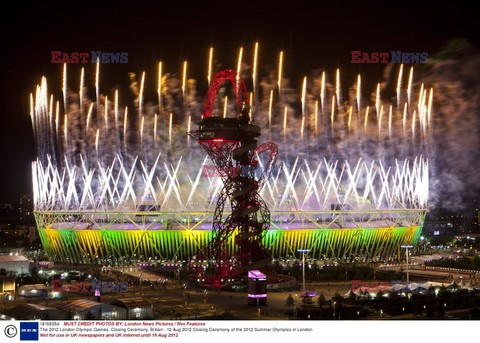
(148, 178)
(173, 184)
(197, 181)
(128, 179)
(353, 180)
(311, 186)
(121, 186)
(266, 185)
(290, 179)
(106, 176)
(87, 180)
(71, 191)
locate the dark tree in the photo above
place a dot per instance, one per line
(290, 302)
(321, 299)
(307, 300)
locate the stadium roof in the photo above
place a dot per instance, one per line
(130, 303)
(37, 286)
(79, 305)
(27, 310)
(294, 225)
(13, 258)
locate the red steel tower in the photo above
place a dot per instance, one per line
(231, 144)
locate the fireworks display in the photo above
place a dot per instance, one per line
(336, 145)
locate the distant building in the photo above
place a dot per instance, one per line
(34, 311)
(25, 209)
(35, 290)
(137, 308)
(17, 223)
(8, 214)
(438, 228)
(15, 264)
(80, 309)
(46, 264)
(26, 232)
(464, 222)
(7, 286)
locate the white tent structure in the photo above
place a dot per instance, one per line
(468, 285)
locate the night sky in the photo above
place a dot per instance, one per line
(311, 35)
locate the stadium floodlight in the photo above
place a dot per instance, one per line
(303, 251)
(406, 253)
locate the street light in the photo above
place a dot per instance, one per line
(295, 307)
(406, 252)
(303, 251)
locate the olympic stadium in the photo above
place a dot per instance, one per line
(163, 220)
